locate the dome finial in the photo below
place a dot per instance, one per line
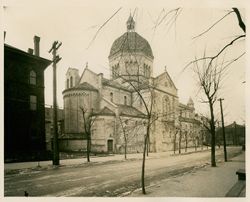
(190, 102)
(130, 23)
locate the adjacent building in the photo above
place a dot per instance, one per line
(24, 115)
(234, 133)
(116, 111)
(49, 126)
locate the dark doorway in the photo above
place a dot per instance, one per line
(110, 145)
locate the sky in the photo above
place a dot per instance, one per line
(76, 24)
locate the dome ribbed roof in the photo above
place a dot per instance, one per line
(131, 42)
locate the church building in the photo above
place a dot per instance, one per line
(115, 109)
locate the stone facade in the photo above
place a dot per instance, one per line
(117, 111)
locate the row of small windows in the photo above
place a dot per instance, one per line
(186, 114)
(115, 71)
(111, 98)
(128, 66)
(70, 82)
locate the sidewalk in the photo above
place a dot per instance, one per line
(204, 182)
(93, 159)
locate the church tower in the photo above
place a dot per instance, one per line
(190, 104)
(131, 56)
(72, 78)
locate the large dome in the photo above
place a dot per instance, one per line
(131, 42)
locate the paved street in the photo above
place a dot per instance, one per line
(110, 178)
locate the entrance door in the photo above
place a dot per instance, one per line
(110, 145)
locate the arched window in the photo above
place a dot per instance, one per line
(71, 82)
(111, 97)
(67, 83)
(125, 100)
(113, 72)
(147, 71)
(117, 70)
(33, 77)
(166, 107)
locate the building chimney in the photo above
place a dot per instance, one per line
(30, 51)
(36, 45)
(4, 35)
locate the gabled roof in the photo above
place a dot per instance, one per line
(72, 68)
(105, 111)
(114, 84)
(125, 110)
(87, 69)
(82, 86)
(168, 77)
(232, 125)
(86, 86)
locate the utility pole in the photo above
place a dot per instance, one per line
(55, 60)
(223, 130)
(235, 134)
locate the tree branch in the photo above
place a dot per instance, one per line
(211, 58)
(99, 29)
(241, 23)
(213, 25)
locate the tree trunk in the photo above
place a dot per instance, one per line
(186, 140)
(180, 142)
(147, 148)
(88, 147)
(125, 149)
(202, 140)
(212, 126)
(174, 143)
(143, 161)
(148, 145)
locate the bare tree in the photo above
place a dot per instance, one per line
(129, 132)
(88, 121)
(180, 140)
(145, 92)
(180, 132)
(212, 59)
(202, 138)
(125, 135)
(209, 75)
(174, 139)
(209, 78)
(194, 137)
(186, 140)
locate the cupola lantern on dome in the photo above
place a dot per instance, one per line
(131, 43)
(130, 24)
